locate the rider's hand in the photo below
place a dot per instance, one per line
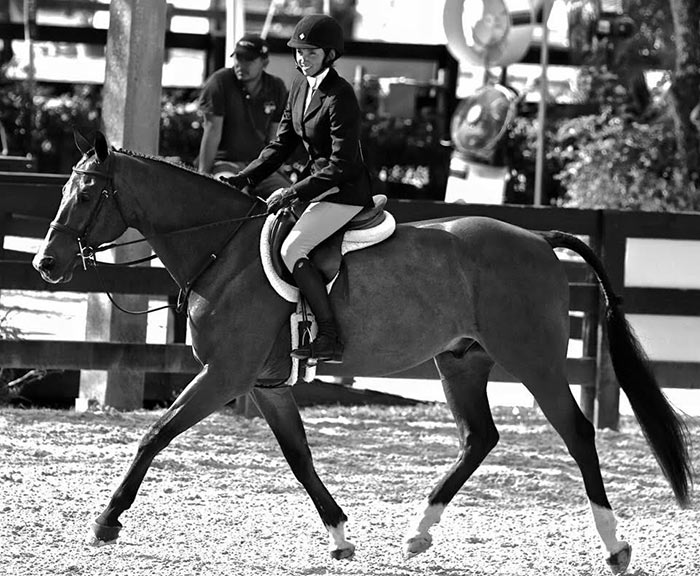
(237, 181)
(279, 199)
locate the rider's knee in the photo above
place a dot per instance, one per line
(291, 255)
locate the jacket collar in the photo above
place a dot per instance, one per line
(319, 94)
(315, 81)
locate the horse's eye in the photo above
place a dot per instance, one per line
(83, 197)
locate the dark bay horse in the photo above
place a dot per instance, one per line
(468, 292)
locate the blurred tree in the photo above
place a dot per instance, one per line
(519, 150)
(666, 36)
(685, 86)
(610, 163)
(613, 68)
(57, 112)
(640, 150)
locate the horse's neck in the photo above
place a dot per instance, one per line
(163, 199)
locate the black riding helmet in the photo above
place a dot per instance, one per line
(318, 31)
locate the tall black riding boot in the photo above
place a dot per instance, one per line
(327, 345)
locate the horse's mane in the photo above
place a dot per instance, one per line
(172, 163)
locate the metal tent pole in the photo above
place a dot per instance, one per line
(542, 109)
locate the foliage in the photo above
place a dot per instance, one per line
(15, 115)
(610, 163)
(406, 156)
(8, 331)
(408, 153)
(180, 125)
(43, 125)
(602, 160)
(520, 154)
(54, 118)
(612, 73)
(626, 155)
(654, 32)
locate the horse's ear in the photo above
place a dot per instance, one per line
(101, 146)
(81, 141)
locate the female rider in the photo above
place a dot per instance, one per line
(323, 114)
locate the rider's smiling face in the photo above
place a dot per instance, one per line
(310, 60)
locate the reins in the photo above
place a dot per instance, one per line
(88, 254)
(104, 247)
(184, 292)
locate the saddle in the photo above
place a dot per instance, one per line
(370, 226)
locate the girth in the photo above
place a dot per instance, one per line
(327, 256)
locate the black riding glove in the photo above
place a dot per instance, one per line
(238, 181)
(280, 199)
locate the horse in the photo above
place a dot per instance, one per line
(468, 292)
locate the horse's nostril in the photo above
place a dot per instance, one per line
(46, 263)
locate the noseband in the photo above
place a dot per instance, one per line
(85, 250)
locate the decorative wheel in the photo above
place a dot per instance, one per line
(489, 32)
(481, 119)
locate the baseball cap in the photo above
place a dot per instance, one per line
(250, 46)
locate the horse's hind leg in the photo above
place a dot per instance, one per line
(203, 395)
(282, 414)
(552, 393)
(464, 381)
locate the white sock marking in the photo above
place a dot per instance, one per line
(606, 524)
(337, 539)
(429, 515)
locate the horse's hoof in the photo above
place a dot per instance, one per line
(102, 534)
(343, 553)
(619, 561)
(417, 544)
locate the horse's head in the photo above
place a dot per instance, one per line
(88, 215)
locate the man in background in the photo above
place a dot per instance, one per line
(241, 107)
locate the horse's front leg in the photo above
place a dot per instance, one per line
(204, 394)
(280, 410)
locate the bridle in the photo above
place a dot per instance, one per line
(88, 253)
(85, 250)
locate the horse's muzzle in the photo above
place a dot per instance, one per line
(46, 266)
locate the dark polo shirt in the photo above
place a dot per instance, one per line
(247, 119)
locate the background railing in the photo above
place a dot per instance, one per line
(28, 201)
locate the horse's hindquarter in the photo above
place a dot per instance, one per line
(432, 285)
(403, 301)
(521, 294)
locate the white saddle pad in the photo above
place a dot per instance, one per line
(353, 240)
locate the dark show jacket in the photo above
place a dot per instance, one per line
(330, 133)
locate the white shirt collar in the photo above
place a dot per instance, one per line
(315, 81)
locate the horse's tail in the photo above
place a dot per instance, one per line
(663, 428)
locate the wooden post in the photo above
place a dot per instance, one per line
(591, 322)
(614, 244)
(590, 349)
(131, 116)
